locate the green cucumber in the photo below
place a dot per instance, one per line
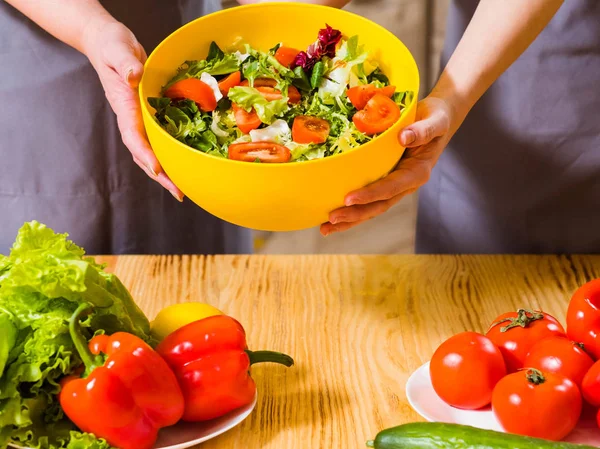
(456, 436)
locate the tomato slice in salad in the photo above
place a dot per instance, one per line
(268, 152)
(245, 121)
(308, 129)
(195, 90)
(379, 114)
(231, 81)
(266, 87)
(359, 96)
(261, 82)
(286, 56)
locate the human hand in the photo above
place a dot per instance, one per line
(119, 60)
(424, 141)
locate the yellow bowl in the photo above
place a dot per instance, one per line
(275, 197)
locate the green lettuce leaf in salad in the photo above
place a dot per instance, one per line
(264, 65)
(187, 123)
(42, 282)
(249, 98)
(217, 63)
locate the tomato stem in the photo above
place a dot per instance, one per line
(523, 319)
(535, 376)
(581, 345)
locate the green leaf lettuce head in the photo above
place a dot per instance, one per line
(42, 282)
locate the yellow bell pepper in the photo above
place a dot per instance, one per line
(175, 316)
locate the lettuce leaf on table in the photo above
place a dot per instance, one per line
(42, 282)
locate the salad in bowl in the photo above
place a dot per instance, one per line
(282, 105)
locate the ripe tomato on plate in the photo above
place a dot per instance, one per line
(465, 369)
(516, 332)
(560, 355)
(537, 404)
(583, 317)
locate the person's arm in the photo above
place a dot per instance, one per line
(118, 58)
(498, 34)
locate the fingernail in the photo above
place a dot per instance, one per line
(151, 170)
(128, 74)
(407, 137)
(349, 201)
(176, 196)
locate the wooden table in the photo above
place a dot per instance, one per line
(356, 326)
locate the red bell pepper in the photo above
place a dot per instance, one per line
(583, 317)
(212, 363)
(124, 396)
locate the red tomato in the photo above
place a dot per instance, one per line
(590, 387)
(263, 151)
(465, 369)
(266, 87)
(536, 404)
(516, 332)
(246, 121)
(272, 94)
(286, 56)
(379, 114)
(560, 355)
(195, 90)
(231, 81)
(583, 317)
(359, 96)
(310, 129)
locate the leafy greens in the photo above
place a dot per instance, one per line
(42, 282)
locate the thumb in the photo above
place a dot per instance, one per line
(127, 59)
(424, 131)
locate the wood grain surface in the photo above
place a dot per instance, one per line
(356, 326)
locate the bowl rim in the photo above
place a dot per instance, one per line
(146, 108)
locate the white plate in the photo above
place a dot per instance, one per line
(183, 435)
(423, 398)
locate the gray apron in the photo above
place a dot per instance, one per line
(522, 175)
(62, 161)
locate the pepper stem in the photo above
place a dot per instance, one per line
(269, 356)
(535, 376)
(90, 360)
(370, 443)
(523, 319)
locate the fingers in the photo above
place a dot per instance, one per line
(347, 217)
(328, 228)
(126, 105)
(432, 121)
(163, 180)
(360, 212)
(127, 62)
(409, 175)
(124, 54)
